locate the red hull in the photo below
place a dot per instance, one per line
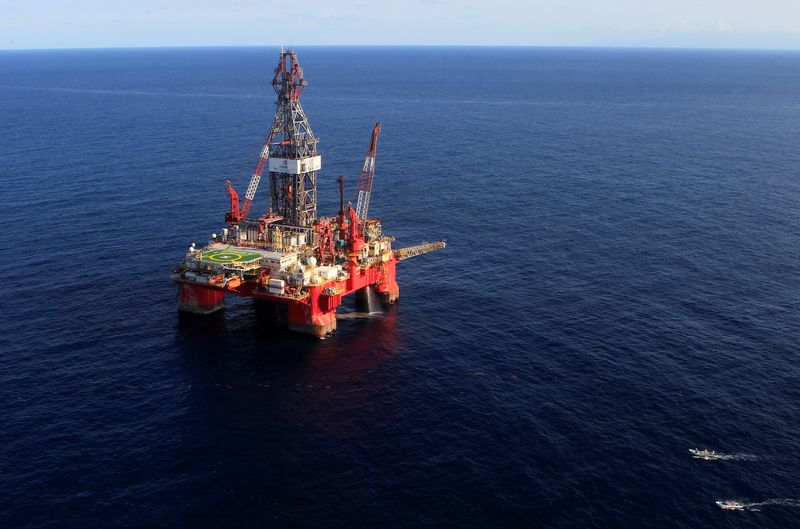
(314, 313)
(199, 299)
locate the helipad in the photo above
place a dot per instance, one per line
(231, 255)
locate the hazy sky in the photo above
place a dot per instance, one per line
(679, 23)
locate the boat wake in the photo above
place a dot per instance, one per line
(756, 506)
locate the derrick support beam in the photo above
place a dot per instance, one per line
(198, 299)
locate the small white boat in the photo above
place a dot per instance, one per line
(731, 505)
(708, 455)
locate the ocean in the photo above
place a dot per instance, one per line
(620, 285)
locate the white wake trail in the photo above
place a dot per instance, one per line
(712, 455)
(757, 506)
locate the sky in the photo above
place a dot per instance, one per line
(662, 23)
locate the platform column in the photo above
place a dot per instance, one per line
(387, 287)
(198, 299)
(310, 317)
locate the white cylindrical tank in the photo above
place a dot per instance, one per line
(312, 261)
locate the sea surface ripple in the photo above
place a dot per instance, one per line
(620, 284)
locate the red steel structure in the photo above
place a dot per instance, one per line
(367, 174)
(288, 257)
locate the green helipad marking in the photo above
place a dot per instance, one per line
(230, 256)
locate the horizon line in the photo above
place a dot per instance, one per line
(543, 46)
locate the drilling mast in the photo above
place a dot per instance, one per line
(289, 154)
(293, 158)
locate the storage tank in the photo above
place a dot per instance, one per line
(276, 286)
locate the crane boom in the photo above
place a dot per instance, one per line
(256, 178)
(367, 174)
(402, 254)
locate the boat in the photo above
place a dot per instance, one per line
(731, 505)
(708, 455)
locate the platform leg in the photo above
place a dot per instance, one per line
(312, 315)
(387, 288)
(317, 323)
(390, 294)
(198, 299)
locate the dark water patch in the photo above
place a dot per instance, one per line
(619, 285)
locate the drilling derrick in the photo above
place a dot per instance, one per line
(290, 258)
(289, 154)
(293, 158)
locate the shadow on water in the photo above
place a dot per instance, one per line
(211, 324)
(238, 346)
(249, 344)
(269, 412)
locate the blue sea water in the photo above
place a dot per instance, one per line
(620, 285)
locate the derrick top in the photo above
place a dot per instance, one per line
(288, 81)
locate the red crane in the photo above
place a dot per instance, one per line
(233, 216)
(367, 174)
(236, 213)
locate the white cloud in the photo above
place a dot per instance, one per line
(724, 26)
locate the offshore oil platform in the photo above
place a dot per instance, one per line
(288, 256)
